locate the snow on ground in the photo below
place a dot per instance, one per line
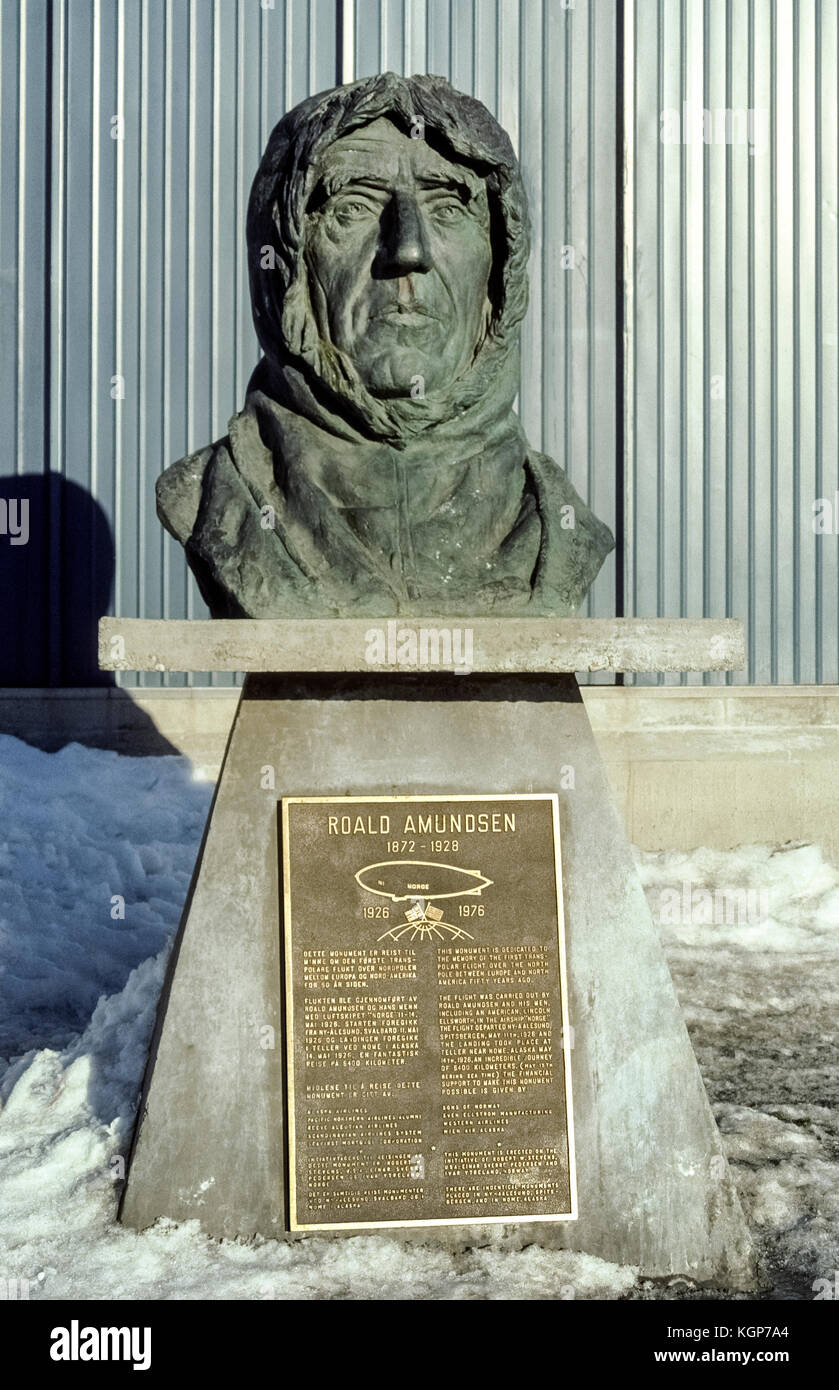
(761, 1000)
(758, 977)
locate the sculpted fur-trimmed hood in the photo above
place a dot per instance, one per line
(282, 311)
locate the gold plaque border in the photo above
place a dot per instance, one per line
(348, 1226)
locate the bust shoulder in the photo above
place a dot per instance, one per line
(575, 542)
(179, 489)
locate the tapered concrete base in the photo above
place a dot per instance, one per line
(654, 1186)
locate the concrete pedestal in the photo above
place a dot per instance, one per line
(654, 1186)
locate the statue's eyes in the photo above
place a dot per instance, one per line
(449, 211)
(352, 209)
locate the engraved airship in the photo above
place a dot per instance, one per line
(403, 879)
(419, 881)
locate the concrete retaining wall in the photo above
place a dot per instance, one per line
(690, 766)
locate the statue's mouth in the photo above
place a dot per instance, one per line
(405, 316)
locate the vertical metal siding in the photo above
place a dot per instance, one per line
(732, 342)
(157, 114)
(124, 258)
(24, 61)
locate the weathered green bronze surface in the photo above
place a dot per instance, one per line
(427, 1038)
(378, 466)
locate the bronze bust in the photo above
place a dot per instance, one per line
(377, 466)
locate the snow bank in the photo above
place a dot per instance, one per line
(78, 828)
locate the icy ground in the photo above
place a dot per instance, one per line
(78, 988)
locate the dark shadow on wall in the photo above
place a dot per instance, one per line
(56, 576)
(56, 573)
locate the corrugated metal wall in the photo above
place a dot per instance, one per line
(149, 342)
(131, 131)
(732, 325)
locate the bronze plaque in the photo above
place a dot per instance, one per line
(427, 1038)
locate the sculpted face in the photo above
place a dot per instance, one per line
(399, 255)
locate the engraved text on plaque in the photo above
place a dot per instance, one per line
(428, 1040)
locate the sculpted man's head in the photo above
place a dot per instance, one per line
(388, 242)
(399, 254)
(378, 465)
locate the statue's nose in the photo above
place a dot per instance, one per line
(404, 245)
